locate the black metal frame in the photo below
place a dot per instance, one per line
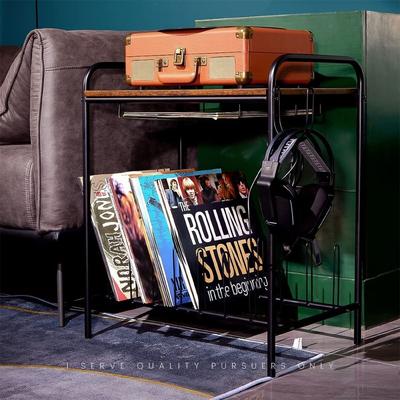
(328, 310)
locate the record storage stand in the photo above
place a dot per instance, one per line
(270, 95)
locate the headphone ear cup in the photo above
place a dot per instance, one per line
(284, 204)
(313, 205)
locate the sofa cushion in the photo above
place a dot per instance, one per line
(17, 197)
(7, 56)
(15, 98)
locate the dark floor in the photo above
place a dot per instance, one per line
(371, 371)
(346, 372)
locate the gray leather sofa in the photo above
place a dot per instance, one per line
(41, 132)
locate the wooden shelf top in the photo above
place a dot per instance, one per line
(256, 92)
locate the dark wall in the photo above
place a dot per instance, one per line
(17, 17)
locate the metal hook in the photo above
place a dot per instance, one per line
(307, 108)
(279, 111)
(309, 123)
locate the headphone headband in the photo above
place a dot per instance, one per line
(277, 140)
(282, 144)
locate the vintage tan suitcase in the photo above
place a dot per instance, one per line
(215, 56)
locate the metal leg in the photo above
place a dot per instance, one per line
(60, 295)
(271, 309)
(272, 98)
(86, 205)
(360, 206)
(357, 325)
(180, 152)
(357, 300)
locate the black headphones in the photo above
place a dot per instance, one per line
(293, 210)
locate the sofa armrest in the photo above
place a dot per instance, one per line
(59, 62)
(15, 98)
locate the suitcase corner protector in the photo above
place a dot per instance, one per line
(243, 78)
(244, 32)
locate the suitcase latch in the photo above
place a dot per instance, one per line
(179, 56)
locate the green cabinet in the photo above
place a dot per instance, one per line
(373, 39)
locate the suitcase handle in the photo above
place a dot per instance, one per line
(179, 77)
